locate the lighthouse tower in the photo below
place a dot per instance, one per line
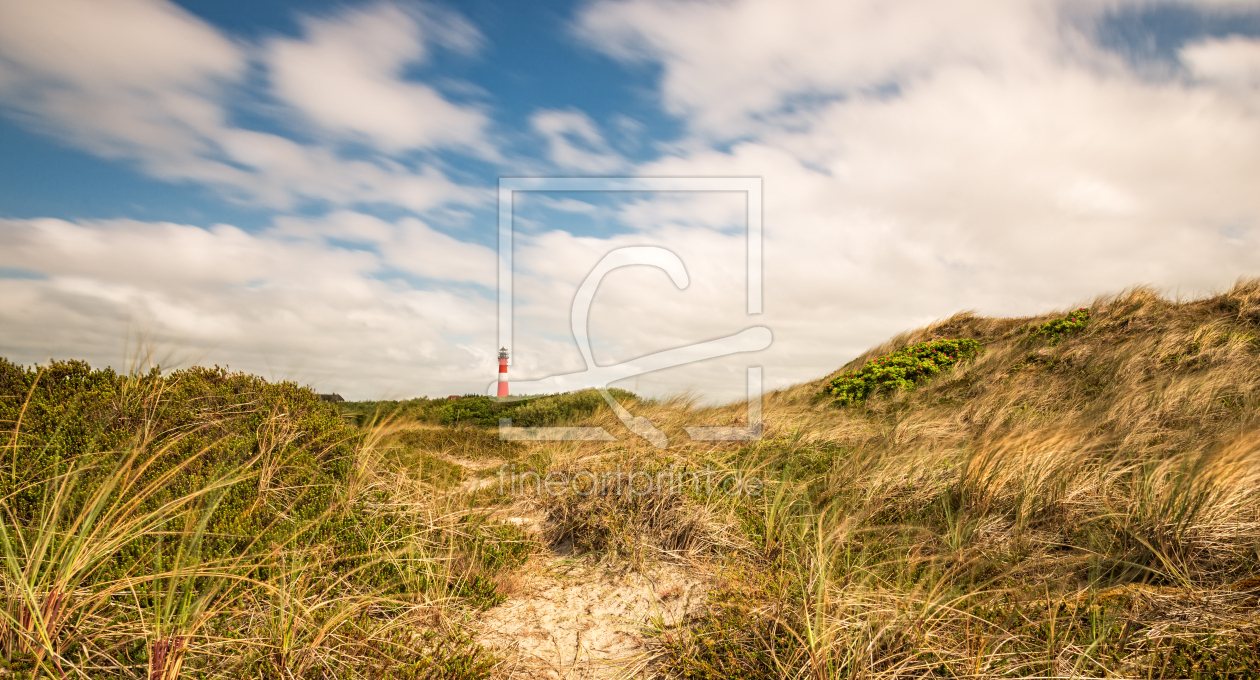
(503, 381)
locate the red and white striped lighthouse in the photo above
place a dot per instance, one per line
(503, 382)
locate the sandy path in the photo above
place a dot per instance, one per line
(573, 621)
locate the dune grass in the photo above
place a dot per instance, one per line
(209, 524)
(1077, 497)
(1080, 498)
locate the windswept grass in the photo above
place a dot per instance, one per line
(209, 524)
(1081, 500)
(1078, 497)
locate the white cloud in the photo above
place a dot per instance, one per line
(568, 205)
(918, 158)
(270, 303)
(726, 64)
(574, 141)
(1231, 61)
(283, 172)
(136, 45)
(346, 76)
(408, 245)
(1087, 196)
(116, 75)
(145, 81)
(170, 256)
(921, 158)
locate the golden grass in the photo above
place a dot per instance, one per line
(1070, 509)
(1087, 508)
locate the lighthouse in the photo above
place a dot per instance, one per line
(503, 383)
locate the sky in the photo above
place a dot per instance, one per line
(309, 190)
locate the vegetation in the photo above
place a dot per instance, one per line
(900, 370)
(1063, 496)
(480, 411)
(1056, 329)
(207, 523)
(1086, 509)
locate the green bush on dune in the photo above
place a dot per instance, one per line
(564, 408)
(905, 368)
(142, 515)
(1057, 329)
(479, 411)
(209, 420)
(900, 370)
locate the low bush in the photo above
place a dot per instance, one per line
(901, 370)
(1057, 329)
(146, 520)
(480, 411)
(562, 409)
(294, 448)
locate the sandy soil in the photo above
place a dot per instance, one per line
(573, 620)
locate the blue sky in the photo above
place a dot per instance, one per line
(307, 190)
(528, 61)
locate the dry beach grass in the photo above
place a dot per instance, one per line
(1079, 504)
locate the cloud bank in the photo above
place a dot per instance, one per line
(918, 158)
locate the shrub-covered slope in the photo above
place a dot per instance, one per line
(207, 422)
(1135, 373)
(206, 523)
(1070, 495)
(479, 411)
(1079, 498)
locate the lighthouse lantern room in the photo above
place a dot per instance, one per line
(503, 380)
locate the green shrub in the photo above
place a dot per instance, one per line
(228, 501)
(902, 369)
(420, 409)
(1214, 655)
(480, 411)
(297, 447)
(469, 411)
(1057, 329)
(562, 409)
